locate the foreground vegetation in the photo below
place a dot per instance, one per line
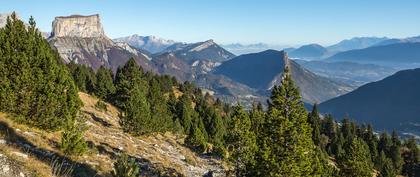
(284, 140)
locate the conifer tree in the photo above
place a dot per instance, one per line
(315, 121)
(160, 116)
(356, 162)
(104, 87)
(125, 167)
(257, 116)
(72, 138)
(286, 145)
(372, 142)
(395, 152)
(185, 112)
(35, 85)
(385, 166)
(241, 142)
(131, 97)
(411, 159)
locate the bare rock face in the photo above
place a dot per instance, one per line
(78, 26)
(82, 39)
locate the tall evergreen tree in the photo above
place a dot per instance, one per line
(35, 85)
(131, 97)
(411, 159)
(286, 145)
(315, 121)
(395, 152)
(356, 162)
(241, 142)
(257, 116)
(385, 166)
(161, 117)
(104, 87)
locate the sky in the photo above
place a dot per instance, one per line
(278, 22)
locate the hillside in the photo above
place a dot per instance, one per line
(393, 54)
(263, 70)
(309, 52)
(391, 103)
(355, 74)
(35, 151)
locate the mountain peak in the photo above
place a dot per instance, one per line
(78, 26)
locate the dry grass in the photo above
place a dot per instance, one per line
(162, 151)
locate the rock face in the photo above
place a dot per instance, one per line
(78, 26)
(82, 39)
(152, 44)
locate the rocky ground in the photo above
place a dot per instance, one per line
(26, 151)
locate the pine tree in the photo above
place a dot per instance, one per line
(286, 145)
(372, 142)
(315, 121)
(395, 153)
(185, 112)
(125, 167)
(411, 159)
(385, 166)
(384, 143)
(356, 162)
(161, 117)
(131, 97)
(104, 87)
(35, 85)
(72, 138)
(241, 142)
(257, 116)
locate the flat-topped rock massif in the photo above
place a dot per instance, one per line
(82, 39)
(78, 26)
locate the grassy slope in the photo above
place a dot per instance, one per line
(157, 154)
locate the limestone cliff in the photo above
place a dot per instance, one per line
(78, 26)
(82, 39)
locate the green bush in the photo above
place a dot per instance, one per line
(72, 140)
(125, 167)
(101, 106)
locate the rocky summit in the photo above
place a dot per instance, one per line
(82, 39)
(78, 26)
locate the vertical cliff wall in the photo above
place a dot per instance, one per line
(78, 26)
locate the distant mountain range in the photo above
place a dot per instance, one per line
(239, 49)
(309, 52)
(356, 43)
(152, 44)
(207, 50)
(354, 74)
(397, 41)
(397, 54)
(261, 71)
(393, 102)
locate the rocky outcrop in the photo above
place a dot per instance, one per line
(78, 26)
(82, 39)
(152, 44)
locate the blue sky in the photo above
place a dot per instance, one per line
(230, 21)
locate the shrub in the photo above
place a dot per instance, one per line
(72, 140)
(125, 167)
